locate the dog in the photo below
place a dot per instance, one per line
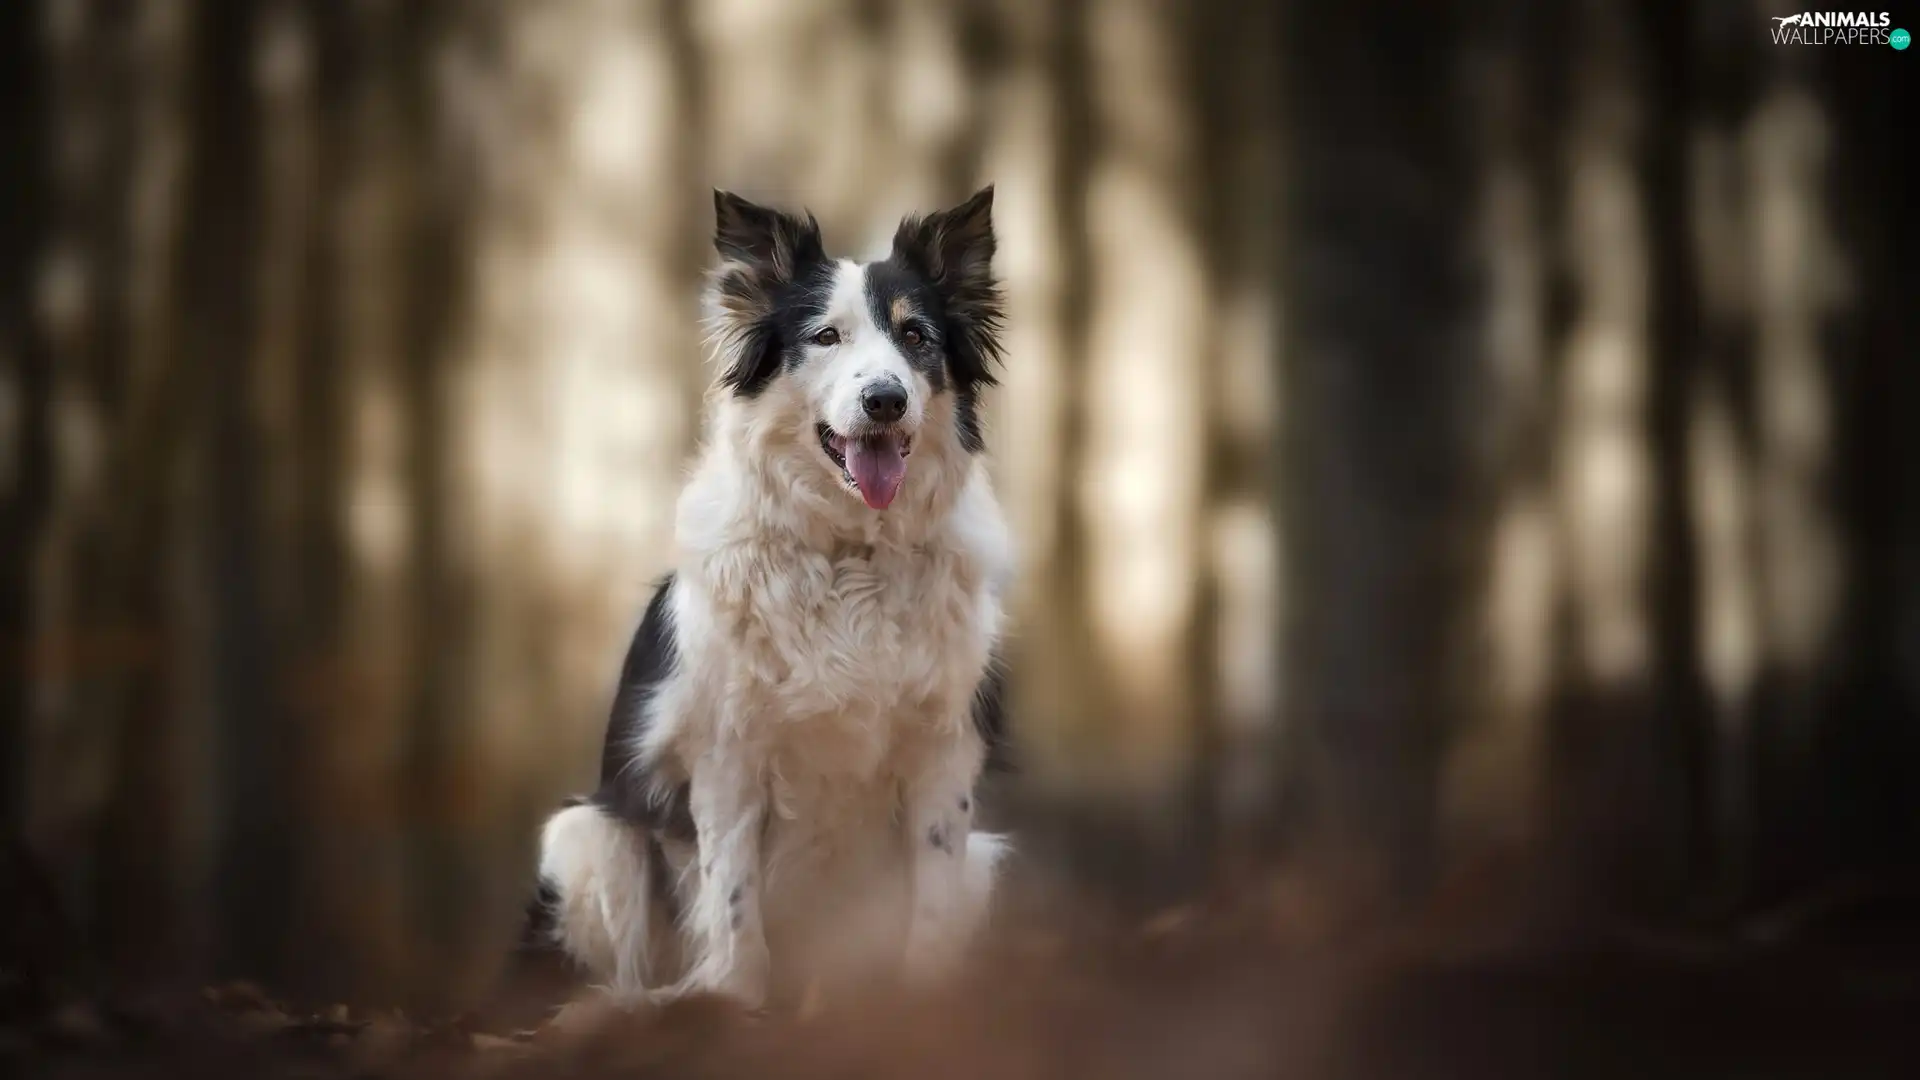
(787, 788)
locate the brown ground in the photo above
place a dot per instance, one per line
(1263, 985)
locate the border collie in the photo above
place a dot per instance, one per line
(786, 797)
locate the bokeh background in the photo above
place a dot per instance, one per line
(1437, 435)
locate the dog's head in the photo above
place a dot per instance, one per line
(868, 361)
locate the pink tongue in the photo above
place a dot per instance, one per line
(878, 466)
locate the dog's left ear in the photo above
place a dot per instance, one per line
(954, 249)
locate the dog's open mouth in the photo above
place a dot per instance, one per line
(875, 464)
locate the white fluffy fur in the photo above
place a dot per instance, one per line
(598, 866)
(828, 658)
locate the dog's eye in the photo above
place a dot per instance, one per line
(911, 335)
(827, 337)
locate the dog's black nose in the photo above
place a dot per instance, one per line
(885, 403)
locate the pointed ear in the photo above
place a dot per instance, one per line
(761, 250)
(762, 237)
(951, 244)
(954, 249)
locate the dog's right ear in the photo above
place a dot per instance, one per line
(761, 249)
(762, 237)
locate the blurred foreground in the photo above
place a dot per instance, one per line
(1268, 981)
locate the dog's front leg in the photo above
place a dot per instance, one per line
(939, 819)
(728, 803)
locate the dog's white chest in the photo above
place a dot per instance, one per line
(908, 626)
(884, 656)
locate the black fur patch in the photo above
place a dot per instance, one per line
(776, 279)
(899, 299)
(951, 252)
(628, 790)
(772, 341)
(537, 930)
(990, 717)
(966, 417)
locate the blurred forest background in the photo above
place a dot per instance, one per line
(1432, 431)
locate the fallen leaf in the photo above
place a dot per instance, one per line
(383, 1039)
(495, 1044)
(240, 996)
(582, 1016)
(263, 1023)
(1167, 922)
(78, 1022)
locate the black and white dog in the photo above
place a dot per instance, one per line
(787, 789)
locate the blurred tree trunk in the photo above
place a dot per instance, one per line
(1493, 791)
(1854, 809)
(1720, 441)
(101, 792)
(294, 359)
(1113, 688)
(1824, 715)
(152, 841)
(1681, 723)
(1230, 651)
(567, 396)
(26, 467)
(1042, 447)
(1041, 148)
(1378, 373)
(1625, 752)
(1150, 359)
(438, 201)
(1629, 751)
(222, 304)
(344, 505)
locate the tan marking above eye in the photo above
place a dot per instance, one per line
(901, 310)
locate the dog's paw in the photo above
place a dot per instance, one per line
(745, 993)
(748, 999)
(687, 1003)
(592, 1013)
(743, 980)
